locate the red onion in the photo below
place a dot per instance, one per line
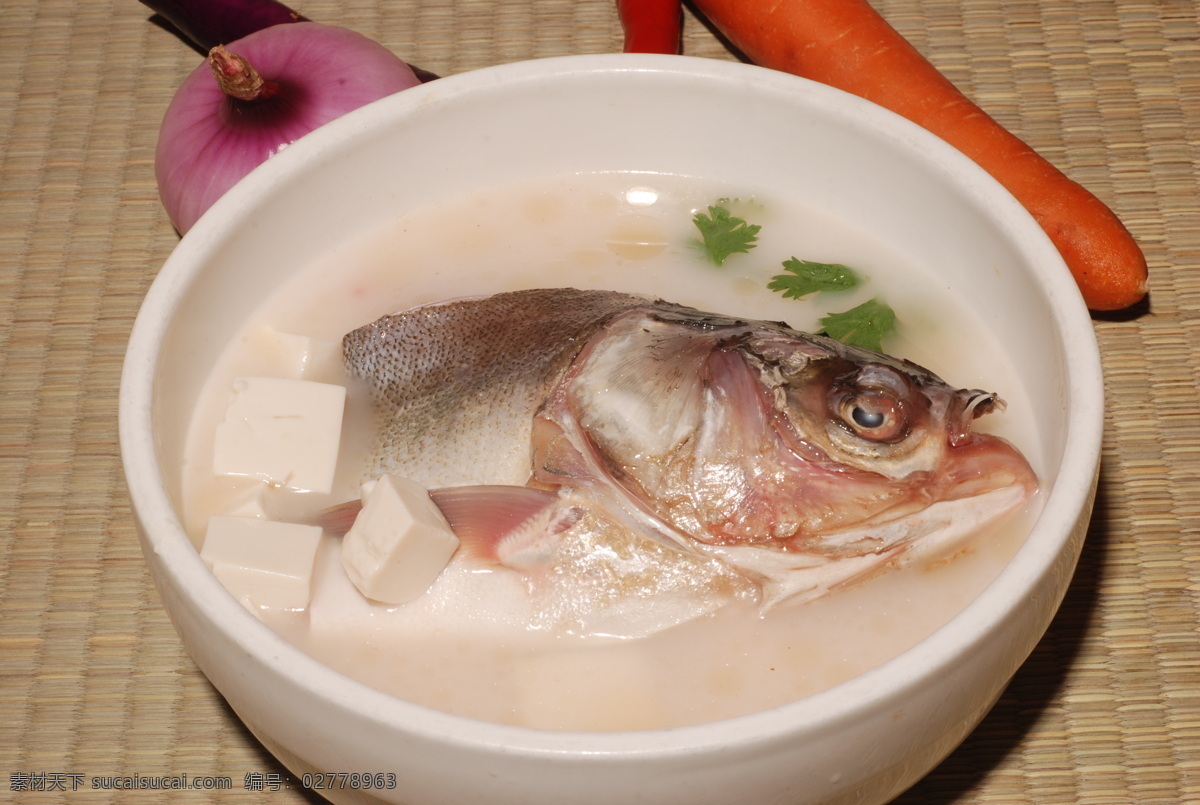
(214, 133)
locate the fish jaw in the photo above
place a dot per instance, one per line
(936, 531)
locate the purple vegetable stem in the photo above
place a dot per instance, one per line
(208, 23)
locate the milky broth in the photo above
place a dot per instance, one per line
(627, 232)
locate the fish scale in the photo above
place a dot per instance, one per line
(456, 384)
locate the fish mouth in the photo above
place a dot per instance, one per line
(981, 463)
(975, 469)
(972, 404)
(984, 480)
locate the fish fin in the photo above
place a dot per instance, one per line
(484, 517)
(481, 516)
(336, 520)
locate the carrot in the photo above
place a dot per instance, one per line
(651, 26)
(848, 45)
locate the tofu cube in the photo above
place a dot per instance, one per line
(250, 501)
(284, 431)
(263, 563)
(296, 356)
(399, 543)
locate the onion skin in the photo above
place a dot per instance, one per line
(209, 141)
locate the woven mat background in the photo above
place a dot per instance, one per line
(93, 681)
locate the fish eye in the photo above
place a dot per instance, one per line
(867, 419)
(874, 416)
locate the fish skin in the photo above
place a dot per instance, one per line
(444, 374)
(734, 450)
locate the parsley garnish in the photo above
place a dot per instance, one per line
(865, 326)
(805, 277)
(723, 233)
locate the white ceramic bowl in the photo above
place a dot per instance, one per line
(863, 741)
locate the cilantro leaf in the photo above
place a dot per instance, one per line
(805, 277)
(723, 233)
(865, 326)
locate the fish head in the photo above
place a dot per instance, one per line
(896, 432)
(738, 433)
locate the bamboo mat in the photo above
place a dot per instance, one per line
(93, 681)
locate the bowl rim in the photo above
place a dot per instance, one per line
(946, 646)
